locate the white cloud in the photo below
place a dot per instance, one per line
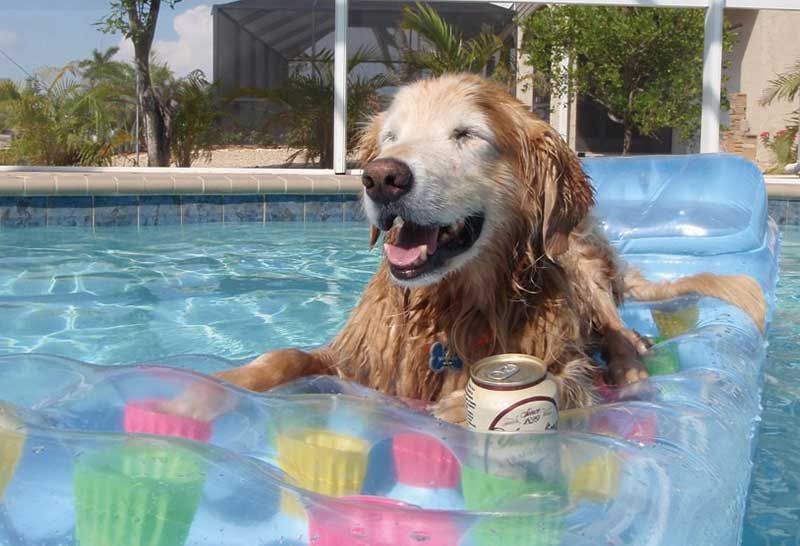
(8, 38)
(193, 49)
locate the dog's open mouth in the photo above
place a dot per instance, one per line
(418, 250)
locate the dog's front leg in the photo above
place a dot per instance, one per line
(207, 400)
(624, 363)
(278, 367)
(451, 408)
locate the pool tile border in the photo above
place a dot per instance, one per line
(100, 211)
(146, 210)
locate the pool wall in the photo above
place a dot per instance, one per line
(785, 212)
(154, 210)
(109, 199)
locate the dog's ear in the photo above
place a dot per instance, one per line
(558, 184)
(367, 149)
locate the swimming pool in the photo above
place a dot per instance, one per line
(126, 295)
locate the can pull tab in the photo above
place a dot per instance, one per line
(503, 372)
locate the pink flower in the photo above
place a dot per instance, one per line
(781, 132)
(764, 135)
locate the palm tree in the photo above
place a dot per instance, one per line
(446, 49)
(101, 69)
(786, 87)
(306, 104)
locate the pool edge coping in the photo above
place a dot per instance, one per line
(33, 183)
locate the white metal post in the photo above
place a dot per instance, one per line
(564, 103)
(712, 77)
(136, 130)
(340, 89)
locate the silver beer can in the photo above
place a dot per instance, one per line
(511, 393)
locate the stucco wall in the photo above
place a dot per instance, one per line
(768, 43)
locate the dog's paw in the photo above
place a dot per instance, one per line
(200, 401)
(627, 370)
(451, 408)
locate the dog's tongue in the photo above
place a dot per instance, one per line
(407, 249)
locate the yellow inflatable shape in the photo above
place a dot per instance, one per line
(324, 462)
(12, 440)
(596, 480)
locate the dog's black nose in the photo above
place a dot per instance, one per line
(387, 180)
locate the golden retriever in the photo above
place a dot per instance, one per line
(490, 247)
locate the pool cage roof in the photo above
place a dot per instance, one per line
(255, 40)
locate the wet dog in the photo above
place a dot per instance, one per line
(489, 247)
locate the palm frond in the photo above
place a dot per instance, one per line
(445, 49)
(785, 87)
(481, 50)
(432, 27)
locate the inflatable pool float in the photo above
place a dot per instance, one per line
(88, 458)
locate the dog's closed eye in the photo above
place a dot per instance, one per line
(462, 133)
(389, 136)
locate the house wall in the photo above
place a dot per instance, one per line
(768, 44)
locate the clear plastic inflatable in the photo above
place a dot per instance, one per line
(88, 458)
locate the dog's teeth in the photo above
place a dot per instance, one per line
(422, 258)
(456, 227)
(398, 222)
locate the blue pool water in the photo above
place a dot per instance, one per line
(125, 295)
(773, 512)
(121, 296)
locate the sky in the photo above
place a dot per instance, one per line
(43, 33)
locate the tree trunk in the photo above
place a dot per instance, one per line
(326, 150)
(626, 142)
(156, 128)
(156, 117)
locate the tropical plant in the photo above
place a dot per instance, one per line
(786, 87)
(194, 121)
(445, 49)
(56, 122)
(305, 102)
(783, 144)
(644, 65)
(136, 20)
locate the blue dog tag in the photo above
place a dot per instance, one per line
(440, 359)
